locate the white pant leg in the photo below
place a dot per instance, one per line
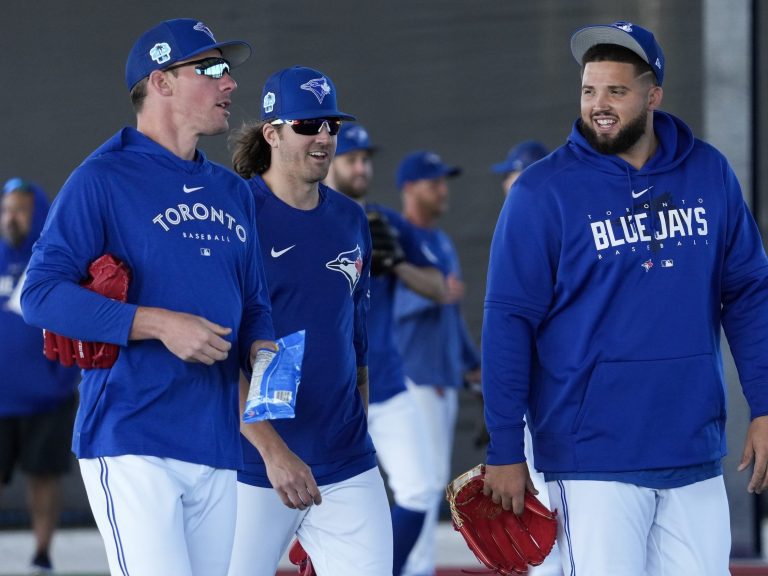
(142, 508)
(264, 529)
(350, 533)
(609, 528)
(438, 411)
(692, 532)
(401, 446)
(210, 515)
(603, 527)
(551, 565)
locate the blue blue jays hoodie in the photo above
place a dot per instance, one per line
(607, 287)
(187, 231)
(30, 383)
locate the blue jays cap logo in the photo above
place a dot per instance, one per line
(319, 87)
(200, 27)
(358, 135)
(350, 264)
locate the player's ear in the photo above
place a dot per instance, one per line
(158, 81)
(271, 135)
(655, 96)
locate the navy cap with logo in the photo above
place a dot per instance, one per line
(521, 156)
(353, 137)
(176, 40)
(631, 36)
(300, 93)
(423, 165)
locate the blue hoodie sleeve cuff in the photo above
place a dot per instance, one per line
(507, 446)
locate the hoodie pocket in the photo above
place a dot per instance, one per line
(651, 414)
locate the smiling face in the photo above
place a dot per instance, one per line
(615, 106)
(306, 158)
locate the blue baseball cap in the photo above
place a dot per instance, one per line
(300, 93)
(631, 36)
(16, 184)
(176, 40)
(521, 156)
(353, 137)
(423, 165)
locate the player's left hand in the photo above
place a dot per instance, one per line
(262, 344)
(506, 485)
(292, 479)
(756, 449)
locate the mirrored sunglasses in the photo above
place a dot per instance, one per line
(311, 126)
(213, 67)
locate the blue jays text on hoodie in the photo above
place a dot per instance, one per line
(607, 286)
(30, 384)
(385, 364)
(186, 230)
(432, 337)
(317, 264)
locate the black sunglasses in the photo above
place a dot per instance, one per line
(213, 67)
(311, 126)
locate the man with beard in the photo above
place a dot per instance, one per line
(393, 421)
(603, 326)
(314, 475)
(37, 397)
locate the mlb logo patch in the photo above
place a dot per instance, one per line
(205, 251)
(667, 263)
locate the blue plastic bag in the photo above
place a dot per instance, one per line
(275, 380)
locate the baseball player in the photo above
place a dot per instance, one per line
(614, 263)
(37, 402)
(438, 354)
(393, 420)
(157, 434)
(315, 475)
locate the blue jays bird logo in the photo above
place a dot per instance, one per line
(350, 264)
(647, 265)
(319, 87)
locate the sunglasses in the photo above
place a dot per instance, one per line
(311, 126)
(213, 67)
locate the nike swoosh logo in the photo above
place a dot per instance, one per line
(278, 253)
(188, 190)
(638, 194)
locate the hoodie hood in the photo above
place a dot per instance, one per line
(131, 140)
(675, 139)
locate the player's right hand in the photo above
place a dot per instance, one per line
(506, 485)
(293, 481)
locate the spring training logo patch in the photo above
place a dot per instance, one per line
(160, 52)
(350, 264)
(319, 87)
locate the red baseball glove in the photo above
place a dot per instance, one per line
(504, 542)
(298, 556)
(109, 277)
